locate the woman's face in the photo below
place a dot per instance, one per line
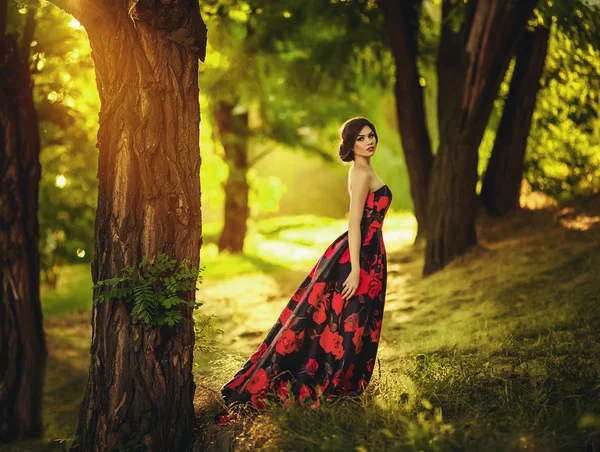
(365, 143)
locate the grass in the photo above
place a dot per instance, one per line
(73, 291)
(496, 352)
(68, 340)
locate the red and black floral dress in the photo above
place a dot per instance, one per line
(322, 345)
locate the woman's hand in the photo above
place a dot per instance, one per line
(351, 284)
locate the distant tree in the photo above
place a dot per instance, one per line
(22, 343)
(402, 22)
(233, 131)
(140, 385)
(232, 88)
(254, 77)
(501, 187)
(572, 29)
(476, 44)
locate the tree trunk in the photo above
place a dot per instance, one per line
(233, 132)
(471, 65)
(501, 188)
(140, 385)
(22, 343)
(402, 21)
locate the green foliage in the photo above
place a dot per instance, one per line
(266, 192)
(155, 289)
(563, 148)
(67, 105)
(563, 154)
(294, 91)
(579, 19)
(291, 66)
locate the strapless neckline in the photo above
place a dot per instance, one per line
(384, 185)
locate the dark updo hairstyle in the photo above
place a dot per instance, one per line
(348, 134)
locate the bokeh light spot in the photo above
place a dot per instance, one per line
(61, 181)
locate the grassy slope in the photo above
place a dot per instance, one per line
(504, 341)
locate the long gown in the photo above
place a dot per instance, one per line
(322, 345)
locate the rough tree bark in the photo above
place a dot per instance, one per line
(471, 64)
(233, 133)
(501, 187)
(402, 22)
(22, 344)
(140, 386)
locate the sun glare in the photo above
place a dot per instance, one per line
(61, 181)
(75, 24)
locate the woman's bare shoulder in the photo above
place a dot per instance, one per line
(358, 178)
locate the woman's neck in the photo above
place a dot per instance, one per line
(362, 162)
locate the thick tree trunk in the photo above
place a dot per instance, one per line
(471, 65)
(22, 344)
(402, 21)
(501, 188)
(233, 132)
(140, 386)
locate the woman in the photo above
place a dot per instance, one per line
(325, 341)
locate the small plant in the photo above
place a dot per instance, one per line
(66, 443)
(154, 289)
(206, 330)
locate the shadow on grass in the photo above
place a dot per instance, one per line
(273, 227)
(64, 388)
(240, 264)
(523, 371)
(68, 340)
(265, 266)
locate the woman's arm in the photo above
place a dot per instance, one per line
(360, 180)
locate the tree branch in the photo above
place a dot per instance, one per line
(319, 152)
(492, 41)
(260, 156)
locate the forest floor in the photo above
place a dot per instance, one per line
(499, 351)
